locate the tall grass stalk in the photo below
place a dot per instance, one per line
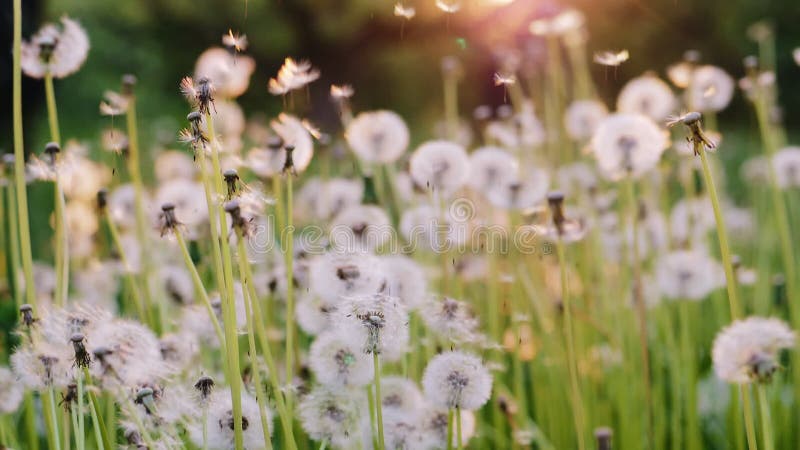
(572, 363)
(19, 161)
(766, 422)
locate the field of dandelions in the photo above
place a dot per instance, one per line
(549, 273)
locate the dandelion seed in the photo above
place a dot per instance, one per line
(235, 42)
(611, 58)
(405, 12)
(292, 75)
(747, 350)
(341, 93)
(114, 104)
(448, 6)
(200, 94)
(504, 80)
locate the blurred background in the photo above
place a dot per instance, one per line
(391, 62)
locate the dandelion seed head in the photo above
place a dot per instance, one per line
(58, 49)
(407, 280)
(406, 12)
(457, 380)
(221, 423)
(627, 145)
(583, 117)
(332, 415)
(611, 58)
(747, 350)
(429, 229)
(228, 73)
(710, 89)
(337, 360)
(688, 275)
(336, 275)
(520, 194)
(378, 136)
(489, 166)
(450, 319)
(440, 165)
(380, 323)
(434, 426)
(647, 95)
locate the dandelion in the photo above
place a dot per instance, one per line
(333, 416)
(360, 228)
(378, 136)
(786, 166)
(341, 93)
(229, 73)
(58, 51)
(424, 227)
(627, 145)
(441, 166)
(489, 166)
(435, 423)
(523, 194)
(337, 360)
(583, 117)
(710, 89)
(647, 95)
(11, 392)
(450, 319)
(503, 80)
(407, 280)
(406, 12)
(335, 275)
(292, 75)
(562, 228)
(688, 275)
(221, 422)
(200, 94)
(295, 136)
(379, 321)
(747, 350)
(457, 380)
(401, 395)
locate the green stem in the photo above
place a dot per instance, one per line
(81, 432)
(371, 405)
(19, 161)
(458, 428)
(449, 429)
(62, 246)
(52, 112)
(766, 422)
(228, 300)
(208, 188)
(722, 233)
(198, 285)
(13, 242)
(51, 418)
(134, 287)
(205, 427)
(572, 363)
(134, 170)
(749, 423)
(376, 364)
(251, 340)
(289, 261)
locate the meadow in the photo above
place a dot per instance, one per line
(553, 271)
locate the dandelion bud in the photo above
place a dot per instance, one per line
(288, 165)
(231, 177)
(603, 436)
(82, 358)
(204, 385)
(168, 219)
(233, 207)
(144, 397)
(693, 121)
(52, 150)
(556, 201)
(27, 315)
(102, 199)
(128, 83)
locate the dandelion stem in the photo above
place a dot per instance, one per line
(722, 233)
(572, 364)
(229, 311)
(450, 429)
(198, 285)
(213, 224)
(50, 420)
(134, 287)
(134, 171)
(376, 364)
(458, 428)
(13, 238)
(641, 308)
(52, 112)
(251, 341)
(19, 162)
(100, 430)
(749, 423)
(205, 427)
(81, 432)
(289, 261)
(766, 422)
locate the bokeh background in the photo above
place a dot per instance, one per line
(392, 63)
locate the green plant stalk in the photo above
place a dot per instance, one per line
(100, 430)
(13, 238)
(766, 422)
(208, 188)
(371, 405)
(280, 216)
(261, 334)
(52, 111)
(572, 363)
(289, 261)
(205, 427)
(376, 365)
(62, 246)
(75, 426)
(251, 341)
(137, 298)
(81, 431)
(134, 171)
(451, 106)
(689, 369)
(781, 215)
(229, 311)
(641, 308)
(458, 429)
(450, 429)
(198, 286)
(51, 419)
(19, 161)
(66, 432)
(749, 423)
(722, 233)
